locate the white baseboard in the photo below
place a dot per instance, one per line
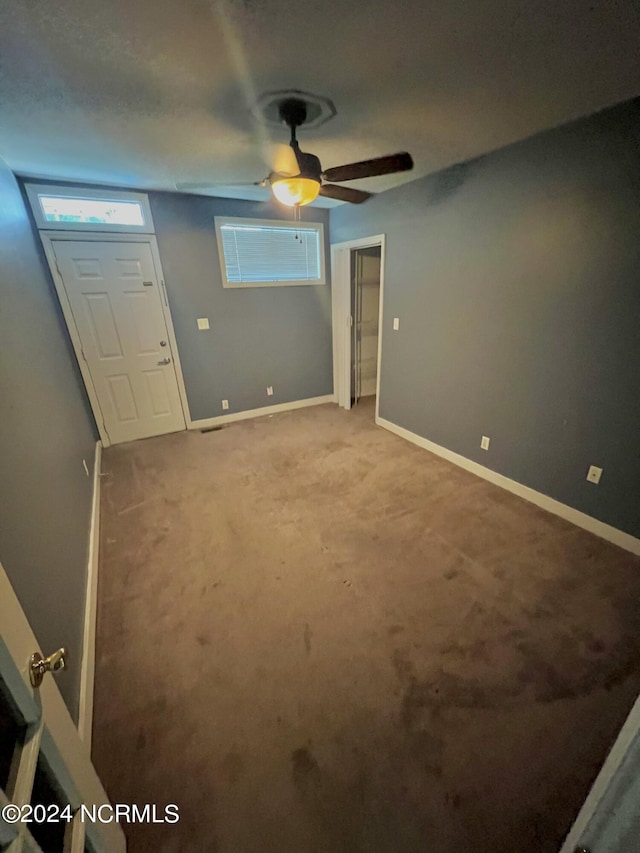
(580, 519)
(259, 413)
(87, 672)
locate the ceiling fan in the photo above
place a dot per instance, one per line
(298, 177)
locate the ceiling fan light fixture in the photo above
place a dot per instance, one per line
(295, 191)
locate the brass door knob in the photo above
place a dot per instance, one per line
(38, 665)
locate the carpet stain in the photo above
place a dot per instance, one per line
(232, 767)
(305, 770)
(402, 665)
(307, 635)
(455, 799)
(427, 750)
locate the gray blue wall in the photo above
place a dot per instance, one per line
(46, 430)
(279, 336)
(516, 278)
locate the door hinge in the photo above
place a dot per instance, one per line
(350, 321)
(58, 268)
(164, 291)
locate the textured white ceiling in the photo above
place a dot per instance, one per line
(148, 93)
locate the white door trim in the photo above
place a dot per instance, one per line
(88, 666)
(619, 766)
(341, 312)
(48, 238)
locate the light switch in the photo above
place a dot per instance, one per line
(203, 322)
(396, 324)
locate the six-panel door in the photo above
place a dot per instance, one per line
(115, 298)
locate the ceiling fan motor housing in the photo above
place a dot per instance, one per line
(293, 112)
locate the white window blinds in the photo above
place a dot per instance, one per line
(270, 253)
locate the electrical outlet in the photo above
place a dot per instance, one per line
(86, 467)
(269, 390)
(225, 404)
(593, 474)
(485, 442)
(396, 324)
(203, 323)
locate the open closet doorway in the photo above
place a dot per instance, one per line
(365, 310)
(357, 286)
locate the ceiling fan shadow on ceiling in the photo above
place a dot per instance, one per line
(298, 177)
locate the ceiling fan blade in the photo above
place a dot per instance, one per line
(344, 193)
(388, 165)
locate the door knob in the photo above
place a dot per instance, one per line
(38, 665)
(163, 343)
(165, 361)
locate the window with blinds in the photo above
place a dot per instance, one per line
(269, 253)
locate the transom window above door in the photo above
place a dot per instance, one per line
(79, 209)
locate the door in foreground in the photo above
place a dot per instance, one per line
(609, 821)
(46, 773)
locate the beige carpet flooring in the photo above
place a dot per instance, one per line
(314, 637)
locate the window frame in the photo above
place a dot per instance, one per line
(270, 223)
(34, 191)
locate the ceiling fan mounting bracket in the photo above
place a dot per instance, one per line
(313, 110)
(293, 112)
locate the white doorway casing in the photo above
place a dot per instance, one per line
(52, 238)
(342, 319)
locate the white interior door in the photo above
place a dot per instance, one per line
(342, 309)
(115, 299)
(45, 770)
